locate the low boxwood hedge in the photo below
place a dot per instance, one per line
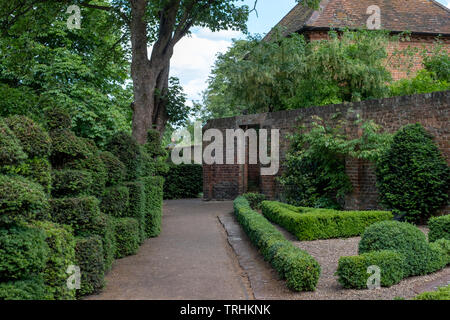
(89, 257)
(79, 213)
(300, 270)
(115, 201)
(352, 271)
(136, 207)
(442, 245)
(153, 205)
(254, 199)
(68, 183)
(21, 200)
(439, 228)
(32, 288)
(312, 224)
(442, 293)
(23, 252)
(127, 236)
(407, 239)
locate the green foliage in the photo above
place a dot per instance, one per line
(153, 205)
(300, 270)
(34, 140)
(115, 201)
(127, 150)
(352, 271)
(153, 145)
(21, 200)
(148, 163)
(79, 213)
(423, 82)
(438, 62)
(312, 224)
(32, 288)
(23, 252)
(439, 228)
(127, 236)
(442, 293)
(254, 200)
(115, 169)
(183, 181)
(67, 183)
(66, 146)
(89, 257)
(442, 245)
(420, 257)
(11, 151)
(412, 175)
(61, 242)
(136, 207)
(315, 164)
(57, 119)
(103, 226)
(37, 170)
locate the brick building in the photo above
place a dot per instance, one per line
(425, 19)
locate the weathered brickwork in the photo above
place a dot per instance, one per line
(431, 110)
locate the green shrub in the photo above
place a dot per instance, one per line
(23, 252)
(79, 213)
(95, 166)
(104, 227)
(29, 289)
(66, 146)
(89, 256)
(153, 145)
(37, 170)
(67, 183)
(312, 224)
(153, 205)
(148, 163)
(115, 201)
(126, 148)
(34, 140)
(11, 151)
(136, 206)
(61, 242)
(442, 245)
(412, 175)
(183, 181)
(442, 293)
(115, 169)
(21, 200)
(406, 239)
(127, 236)
(352, 271)
(57, 118)
(254, 199)
(300, 270)
(439, 228)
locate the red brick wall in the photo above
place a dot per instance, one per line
(431, 110)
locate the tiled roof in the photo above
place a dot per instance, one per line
(417, 16)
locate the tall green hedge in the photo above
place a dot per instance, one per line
(183, 181)
(11, 151)
(153, 205)
(127, 236)
(126, 148)
(115, 201)
(312, 224)
(36, 170)
(67, 183)
(136, 206)
(439, 228)
(32, 288)
(89, 257)
(115, 169)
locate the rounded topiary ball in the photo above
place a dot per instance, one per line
(412, 175)
(406, 239)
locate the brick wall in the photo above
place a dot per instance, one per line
(431, 110)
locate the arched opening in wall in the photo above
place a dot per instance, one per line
(251, 177)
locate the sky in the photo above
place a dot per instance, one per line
(195, 55)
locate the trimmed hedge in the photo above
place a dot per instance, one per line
(352, 271)
(67, 183)
(61, 242)
(34, 140)
(66, 146)
(104, 227)
(439, 228)
(420, 257)
(126, 148)
(29, 289)
(312, 224)
(115, 201)
(183, 181)
(57, 118)
(23, 252)
(136, 207)
(115, 169)
(127, 236)
(79, 213)
(11, 151)
(442, 293)
(254, 199)
(89, 256)
(153, 205)
(95, 166)
(21, 200)
(300, 270)
(444, 246)
(37, 170)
